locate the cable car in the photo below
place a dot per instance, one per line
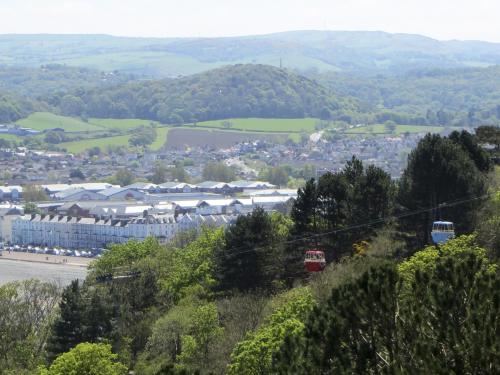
(315, 261)
(442, 231)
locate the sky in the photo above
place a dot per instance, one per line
(440, 19)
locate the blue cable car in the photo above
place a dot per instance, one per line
(442, 231)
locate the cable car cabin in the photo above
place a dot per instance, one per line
(315, 261)
(442, 231)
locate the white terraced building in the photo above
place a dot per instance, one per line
(87, 233)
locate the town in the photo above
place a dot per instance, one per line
(89, 216)
(80, 215)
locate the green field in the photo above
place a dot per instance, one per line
(97, 129)
(381, 129)
(10, 137)
(161, 138)
(121, 124)
(263, 125)
(151, 62)
(77, 147)
(44, 120)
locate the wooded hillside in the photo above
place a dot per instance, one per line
(229, 92)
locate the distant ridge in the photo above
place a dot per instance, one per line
(309, 50)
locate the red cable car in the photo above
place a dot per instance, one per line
(315, 261)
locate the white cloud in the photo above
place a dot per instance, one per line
(442, 19)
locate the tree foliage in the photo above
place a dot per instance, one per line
(355, 195)
(34, 193)
(275, 175)
(143, 136)
(178, 173)
(122, 177)
(489, 226)
(445, 321)
(254, 355)
(68, 329)
(425, 96)
(253, 255)
(218, 172)
(26, 312)
(228, 92)
(192, 267)
(440, 170)
(87, 359)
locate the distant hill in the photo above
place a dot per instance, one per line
(343, 51)
(236, 91)
(457, 97)
(24, 90)
(52, 79)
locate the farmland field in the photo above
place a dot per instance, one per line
(44, 120)
(381, 129)
(161, 138)
(121, 140)
(263, 125)
(179, 138)
(122, 124)
(82, 145)
(220, 133)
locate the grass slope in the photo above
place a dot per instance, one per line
(77, 147)
(381, 129)
(45, 120)
(161, 139)
(80, 146)
(263, 125)
(122, 124)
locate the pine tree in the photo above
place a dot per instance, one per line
(439, 171)
(247, 262)
(67, 330)
(469, 144)
(354, 195)
(304, 213)
(97, 315)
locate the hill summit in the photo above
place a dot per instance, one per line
(232, 91)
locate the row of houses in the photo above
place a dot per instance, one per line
(88, 233)
(146, 191)
(207, 206)
(94, 224)
(166, 187)
(15, 192)
(136, 191)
